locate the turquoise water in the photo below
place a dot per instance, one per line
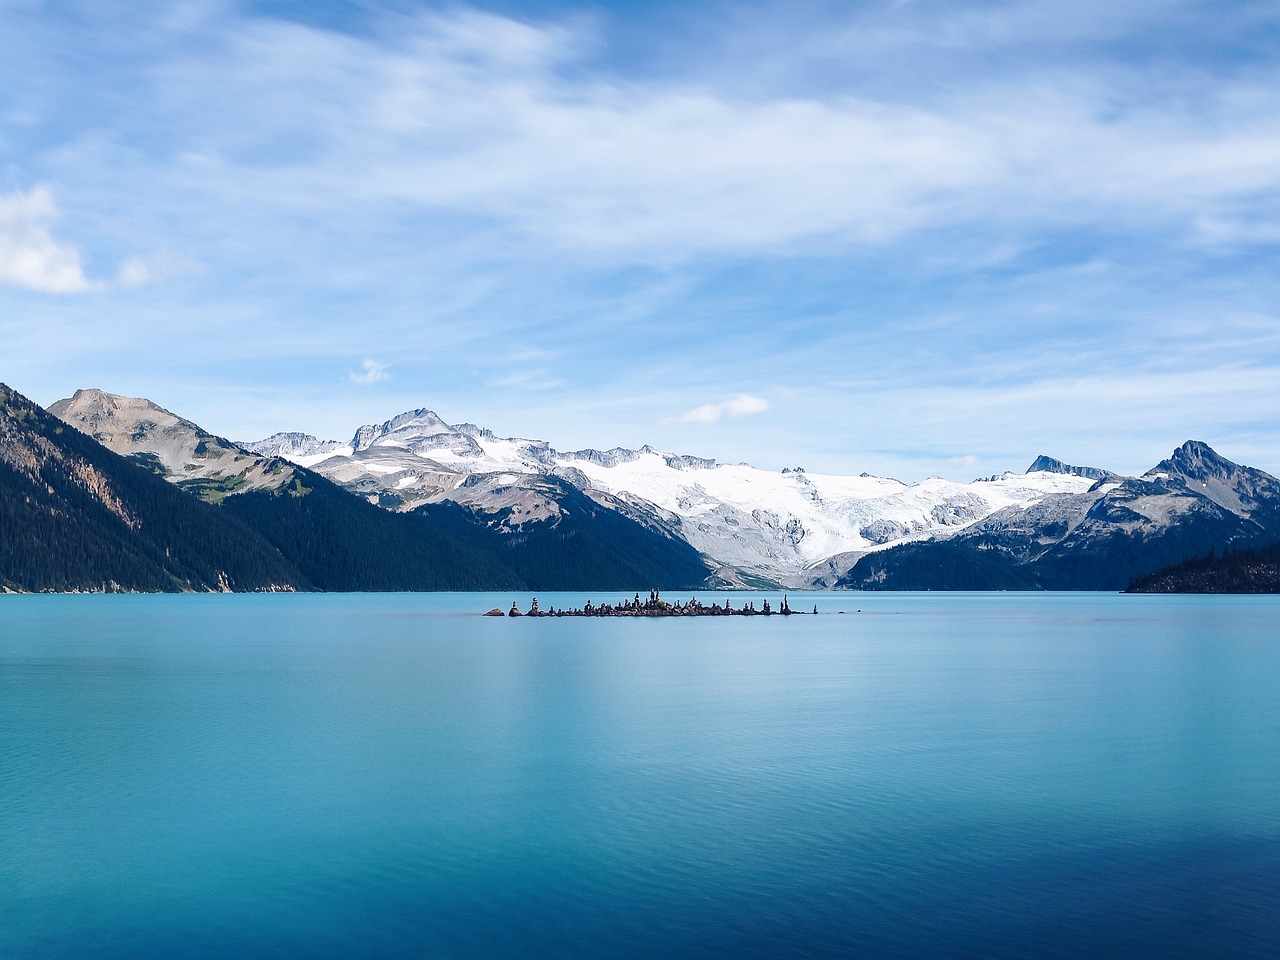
(394, 776)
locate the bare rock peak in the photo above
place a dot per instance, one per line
(1046, 464)
(1196, 460)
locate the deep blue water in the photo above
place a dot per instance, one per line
(935, 776)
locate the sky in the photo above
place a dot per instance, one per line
(907, 237)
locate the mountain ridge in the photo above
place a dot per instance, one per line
(1121, 529)
(414, 502)
(787, 527)
(342, 538)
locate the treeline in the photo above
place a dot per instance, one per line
(75, 516)
(588, 547)
(1233, 571)
(340, 542)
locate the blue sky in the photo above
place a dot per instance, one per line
(910, 238)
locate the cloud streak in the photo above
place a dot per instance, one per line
(744, 404)
(477, 114)
(371, 371)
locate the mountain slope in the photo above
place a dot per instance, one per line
(345, 544)
(586, 546)
(1238, 571)
(338, 542)
(177, 449)
(1194, 502)
(76, 516)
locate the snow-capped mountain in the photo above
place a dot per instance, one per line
(788, 522)
(1101, 539)
(789, 526)
(416, 458)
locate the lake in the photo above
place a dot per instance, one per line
(929, 776)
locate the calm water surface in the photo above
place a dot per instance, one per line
(972, 775)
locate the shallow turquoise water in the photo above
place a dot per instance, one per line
(386, 776)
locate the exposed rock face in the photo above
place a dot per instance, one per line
(1043, 464)
(292, 446)
(883, 531)
(175, 448)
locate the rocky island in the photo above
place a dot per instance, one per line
(654, 606)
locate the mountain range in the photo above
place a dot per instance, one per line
(417, 503)
(340, 541)
(755, 527)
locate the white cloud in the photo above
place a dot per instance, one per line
(134, 272)
(371, 371)
(740, 406)
(479, 115)
(29, 255)
(137, 271)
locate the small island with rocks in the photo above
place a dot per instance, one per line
(654, 606)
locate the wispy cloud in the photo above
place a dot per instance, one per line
(532, 379)
(135, 272)
(371, 371)
(742, 405)
(30, 256)
(478, 114)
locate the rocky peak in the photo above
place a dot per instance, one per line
(605, 458)
(424, 423)
(472, 430)
(289, 445)
(178, 449)
(1043, 464)
(92, 409)
(1196, 460)
(686, 462)
(89, 400)
(125, 423)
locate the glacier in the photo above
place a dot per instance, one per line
(790, 527)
